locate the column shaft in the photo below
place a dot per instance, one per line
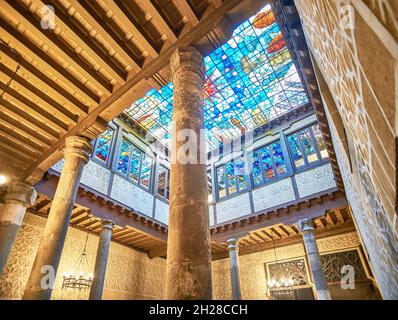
(19, 196)
(321, 286)
(234, 268)
(188, 274)
(76, 154)
(101, 260)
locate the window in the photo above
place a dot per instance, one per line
(268, 163)
(163, 182)
(135, 164)
(307, 147)
(103, 145)
(231, 178)
(209, 187)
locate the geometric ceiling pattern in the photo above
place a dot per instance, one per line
(250, 80)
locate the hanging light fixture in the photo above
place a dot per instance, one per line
(79, 279)
(283, 287)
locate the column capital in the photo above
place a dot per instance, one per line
(78, 146)
(21, 192)
(233, 244)
(107, 224)
(187, 58)
(306, 226)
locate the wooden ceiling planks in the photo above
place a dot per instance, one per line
(92, 60)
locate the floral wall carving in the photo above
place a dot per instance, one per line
(353, 45)
(130, 273)
(252, 266)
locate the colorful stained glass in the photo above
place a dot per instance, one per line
(124, 157)
(135, 164)
(146, 170)
(250, 80)
(103, 144)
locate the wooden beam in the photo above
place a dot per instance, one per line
(123, 94)
(20, 134)
(19, 16)
(339, 216)
(46, 65)
(158, 20)
(186, 11)
(329, 219)
(42, 83)
(38, 110)
(10, 152)
(129, 25)
(19, 144)
(315, 210)
(288, 241)
(109, 39)
(29, 127)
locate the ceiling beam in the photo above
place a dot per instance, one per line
(134, 31)
(31, 92)
(186, 11)
(158, 20)
(42, 82)
(109, 39)
(288, 241)
(20, 18)
(14, 96)
(119, 99)
(34, 56)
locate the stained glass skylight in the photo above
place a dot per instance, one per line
(250, 80)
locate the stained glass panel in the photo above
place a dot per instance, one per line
(320, 142)
(296, 150)
(103, 144)
(221, 182)
(308, 146)
(146, 170)
(250, 80)
(124, 157)
(135, 164)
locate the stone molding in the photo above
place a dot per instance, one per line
(21, 192)
(78, 146)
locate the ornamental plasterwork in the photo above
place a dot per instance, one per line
(332, 264)
(292, 269)
(129, 272)
(333, 44)
(339, 242)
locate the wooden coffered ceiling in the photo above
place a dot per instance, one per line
(99, 57)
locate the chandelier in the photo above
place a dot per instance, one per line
(281, 288)
(78, 279)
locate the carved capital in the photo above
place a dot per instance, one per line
(107, 224)
(306, 226)
(22, 192)
(187, 59)
(78, 147)
(233, 244)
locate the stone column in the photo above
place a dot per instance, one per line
(44, 270)
(233, 249)
(97, 286)
(19, 196)
(188, 272)
(306, 228)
